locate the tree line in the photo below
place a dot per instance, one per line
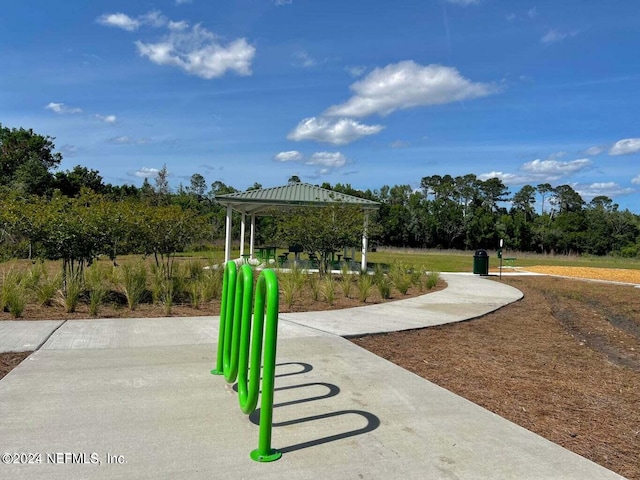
(75, 215)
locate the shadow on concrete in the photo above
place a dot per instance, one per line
(372, 421)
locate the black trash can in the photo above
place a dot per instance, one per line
(481, 262)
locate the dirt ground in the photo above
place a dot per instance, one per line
(563, 362)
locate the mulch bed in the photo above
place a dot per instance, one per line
(563, 362)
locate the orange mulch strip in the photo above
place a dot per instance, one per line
(591, 273)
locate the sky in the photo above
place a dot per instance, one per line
(366, 93)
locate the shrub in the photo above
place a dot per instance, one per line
(291, 283)
(329, 289)
(69, 296)
(96, 279)
(212, 283)
(134, 283)
(313, 280)
(14, 295)
(400, 276)
(432, 279)
(365, 284)
(346, 281)
(16, 299)
(10, 282)
(47, 288)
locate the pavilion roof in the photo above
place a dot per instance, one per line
(291, 195)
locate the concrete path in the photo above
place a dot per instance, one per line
(133, 398)
(25, 335)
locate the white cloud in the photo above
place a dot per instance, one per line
(398, 144)
(510, 17)
(636, 180)
(405, 85)
(181, 25)
(111, 119)
(290, 156)
(198, 53)
(538, 171)
(625, 146)
(303, 59)
(61, 108)
(145, 172)
(554, 36)
(595, 150)
(119, 20)
(154, 18)
(609, 189)
(327, 160)
(125, 140)
(181, 2)
(464, 3)
(356, 70)
(532, 13)
(507, 178)
(335, 132)
(553, 169)
(280, 3)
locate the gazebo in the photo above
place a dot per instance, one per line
(258, 202)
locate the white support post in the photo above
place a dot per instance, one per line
(227, 238)
(242, 233)
(252, 236)
(365, 244)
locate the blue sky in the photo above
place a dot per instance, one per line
(366, 93)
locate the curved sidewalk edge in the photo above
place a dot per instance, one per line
(467, 296)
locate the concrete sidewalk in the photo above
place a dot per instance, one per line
(135, 396)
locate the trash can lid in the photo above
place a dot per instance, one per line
(481, 253)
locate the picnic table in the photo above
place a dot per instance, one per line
(266, 253)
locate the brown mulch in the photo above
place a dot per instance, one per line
(563, 362)
(8, 361)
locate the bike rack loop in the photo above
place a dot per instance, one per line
(237, 333)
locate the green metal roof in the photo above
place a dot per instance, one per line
(293, 194)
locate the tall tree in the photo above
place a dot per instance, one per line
(26, 159)
(544, 189)
(197, 185)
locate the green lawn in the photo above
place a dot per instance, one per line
(456, 260)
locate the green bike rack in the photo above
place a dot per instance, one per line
(237, 333)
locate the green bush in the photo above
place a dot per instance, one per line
(69, 295)
(365, 284)
(313, 281)
(432, 279)
(97, 283)
(329, 288)
(401, 277)
(134, 283)
(346, 281)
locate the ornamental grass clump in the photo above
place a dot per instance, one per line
(382, 282)
(69, 294)
(212, 283)
(134, 283)
(365, 284)
(328, 289)
(97, 283)
(346, 281)
(46, 289)
(432, 280)
(313, 282)
(291, 283)
(400, 276)
(14, 295)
